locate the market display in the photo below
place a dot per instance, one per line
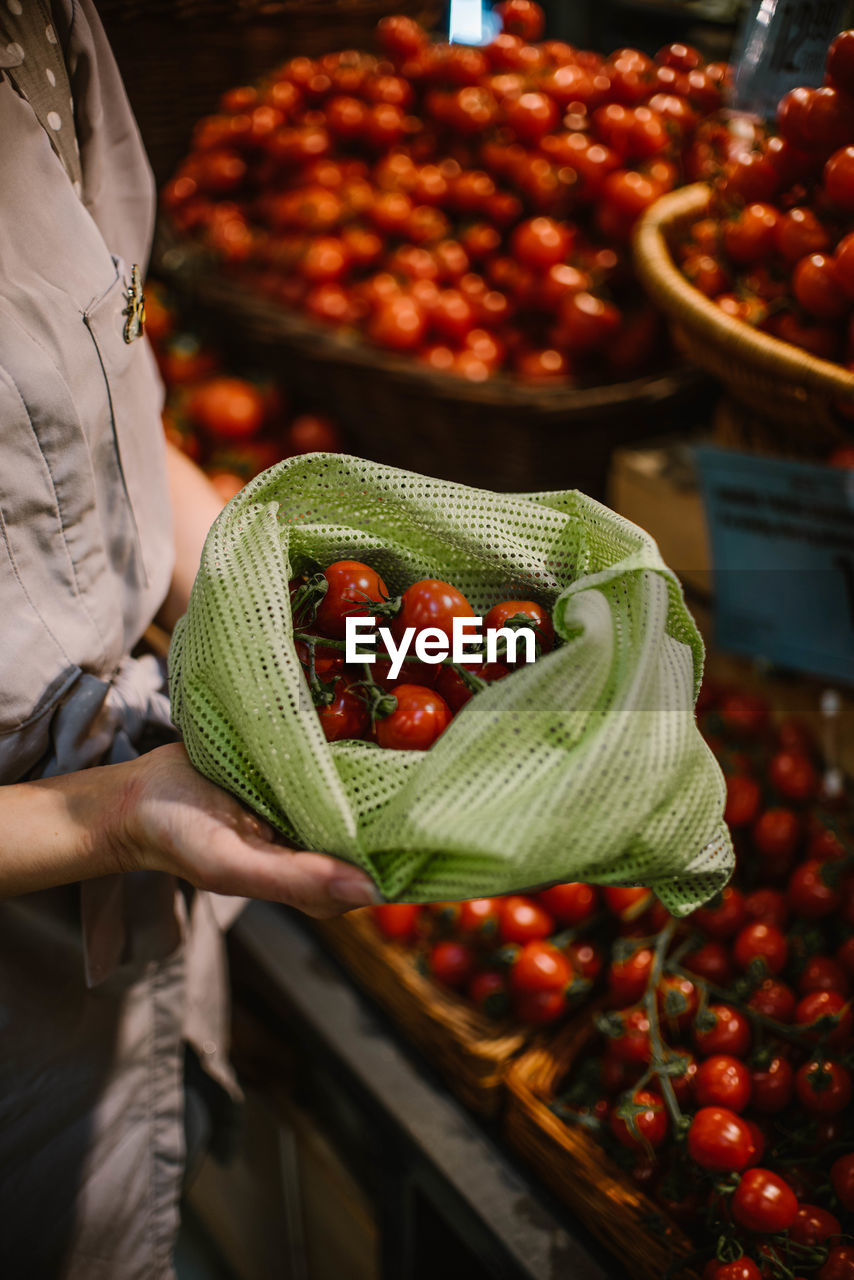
(597, 737)
(776, 249)
(713, 1057)
(668, 1043)
(470, 207)
(722, 1079)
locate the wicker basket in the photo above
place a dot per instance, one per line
(502, 434)
(469, 1050)
(783, 397)
(578, 1171)
(178, 56)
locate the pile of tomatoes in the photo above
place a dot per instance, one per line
(533, 956)
(410, 710)
(777, 249)
(721, 1076)
(469, 206)
(234, 426)
(724, 1079)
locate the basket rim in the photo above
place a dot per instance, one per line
(191, 265)
(692, 309)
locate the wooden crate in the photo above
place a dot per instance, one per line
(471, 1051)
(573, 1165)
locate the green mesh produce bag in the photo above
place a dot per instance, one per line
(587, 765)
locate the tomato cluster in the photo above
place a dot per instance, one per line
(777, 249)
(469, 206)
(234, 426)
(410, 709)
(533, 956)
(724, 1079)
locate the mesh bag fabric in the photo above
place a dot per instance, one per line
(587, 765)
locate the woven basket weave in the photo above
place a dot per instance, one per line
(572, 1164)
(470, 1050)
(784, 398)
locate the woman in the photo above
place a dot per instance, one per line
(110, 964)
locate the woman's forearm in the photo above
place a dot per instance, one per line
(58, 830)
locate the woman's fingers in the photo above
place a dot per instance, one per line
(312, 882)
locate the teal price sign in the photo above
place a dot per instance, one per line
(782, 542)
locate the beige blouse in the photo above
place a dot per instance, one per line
(101, 983)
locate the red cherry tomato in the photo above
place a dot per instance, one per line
(646, 1128)
(398, 323)
(815, 1007)
(793, 115)
(741, 1269)
(823, 1087)
(710, 961)
(719, 1140)
(707, 275)
(840, 61)
(420, 717)
(431, 603)
(773, 1086)
(585, 958)
(730, 1033)
(523, 920)
(522, 18)
(633, 1044)
(767, 905)
(479, 917)
(774, 1000)
(346, 716)
(842, 1178)
(540, 242)
(843, 259)
(817, 288)
(743, 799)
(777, 834)
(726, 918)
(397, 920)
(839, 1264)
(799, 233)
(761, 942)
(227, 408)
(627, 903)
(351, 585)
(744, 714)
(328, 662)
(749, 237)
(838, 178)
(723, 1081)
(540, 1007)
(487, 991)
(450, 963)
(311, 433)
(792, 772)
(499, 615)
(809, 893)
(570, 903)
(823, 973)
(540, 967)
(814, 1225)
(627, 979)
(763, 1202)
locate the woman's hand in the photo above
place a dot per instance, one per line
(175, 820)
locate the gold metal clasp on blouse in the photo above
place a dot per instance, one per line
(135, 309)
